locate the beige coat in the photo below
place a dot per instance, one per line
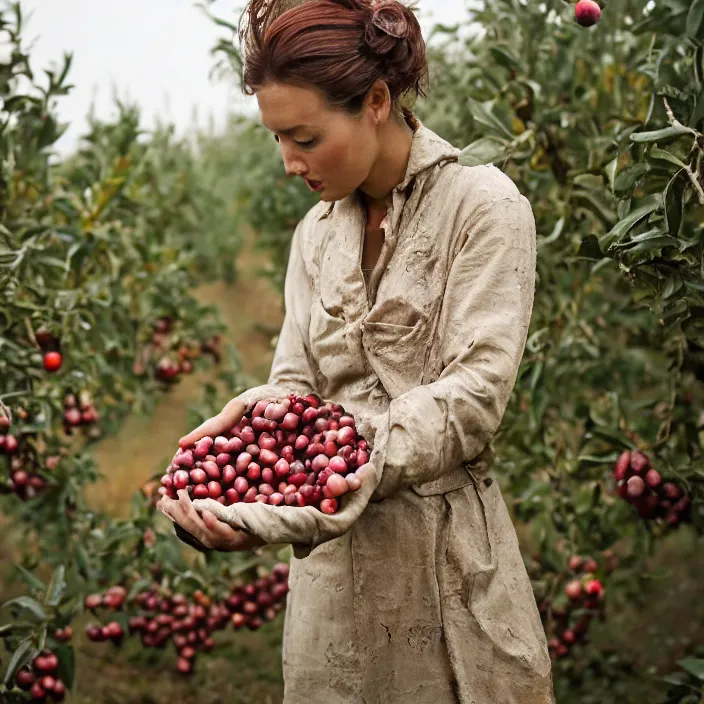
(426, 598)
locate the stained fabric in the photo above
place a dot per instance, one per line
(425, 598)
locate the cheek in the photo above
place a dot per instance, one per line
(345, 160)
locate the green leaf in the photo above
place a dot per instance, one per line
(11, 629)
(481, 112)
(695, 20)
(610, 170)
(504, 58)
(673, 196)
(623, 227)
(695, 666)
(625, 180)
(672, 285)
(657, 153)
(593, 182)
(28, 604)
(657, 135)
(56, 587)
(486, 150)
(589, 248)
(19, 658)
(83, 561)
(30, 579)
(52, 261)
(598, 206)
(676, 678)
(536, 373)
(653, 242)
(67, 664)
(554, 235)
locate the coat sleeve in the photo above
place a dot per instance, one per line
(434, 428)
(290, 371)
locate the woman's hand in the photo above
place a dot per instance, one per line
(217, 425)
(213, 533)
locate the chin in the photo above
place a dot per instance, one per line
(327, 195)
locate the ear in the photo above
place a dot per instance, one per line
(377, 103)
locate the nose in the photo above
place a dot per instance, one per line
(293, 164)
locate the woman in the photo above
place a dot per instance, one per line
(408, 298)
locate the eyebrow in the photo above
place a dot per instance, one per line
(288, 130)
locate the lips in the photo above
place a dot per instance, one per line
(314, 185)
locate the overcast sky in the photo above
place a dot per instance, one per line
(155, 52)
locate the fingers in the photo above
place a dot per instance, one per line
(229, 538)
(233, 412)
(209, 427)
(183, 513)
(206, 527)
(162, 507)
(214, 507)
(219, 528)
(222, 422)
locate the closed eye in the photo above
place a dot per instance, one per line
(306, 145)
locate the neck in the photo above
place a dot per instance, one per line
(390, 167)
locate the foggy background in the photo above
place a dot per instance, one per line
(153, 52)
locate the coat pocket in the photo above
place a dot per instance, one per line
(397, 350)
(333, 347)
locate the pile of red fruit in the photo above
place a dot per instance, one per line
(297, 451)
(79, 412)
(566, 620)
(40, 678)
(644, 488)
(189, 622)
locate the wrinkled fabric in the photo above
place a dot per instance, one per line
(426, 597)
(305, 527)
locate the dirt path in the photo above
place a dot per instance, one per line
(136, 452)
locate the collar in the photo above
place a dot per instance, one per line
(427, 150)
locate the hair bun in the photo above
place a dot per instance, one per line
(387, 24)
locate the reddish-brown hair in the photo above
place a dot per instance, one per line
(341, 47)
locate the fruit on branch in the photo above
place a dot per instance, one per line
(159, 616)
(52, 361)
(79, 411)
(24, 480)
(40, 678)
(643, 487)
(567, 613)
(587, 13)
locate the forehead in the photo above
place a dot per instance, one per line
(283, 106)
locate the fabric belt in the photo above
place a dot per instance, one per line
(476, 470)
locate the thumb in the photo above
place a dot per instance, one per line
(221, 423)
(214, 507)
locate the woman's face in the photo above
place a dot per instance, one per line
(332, 150)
